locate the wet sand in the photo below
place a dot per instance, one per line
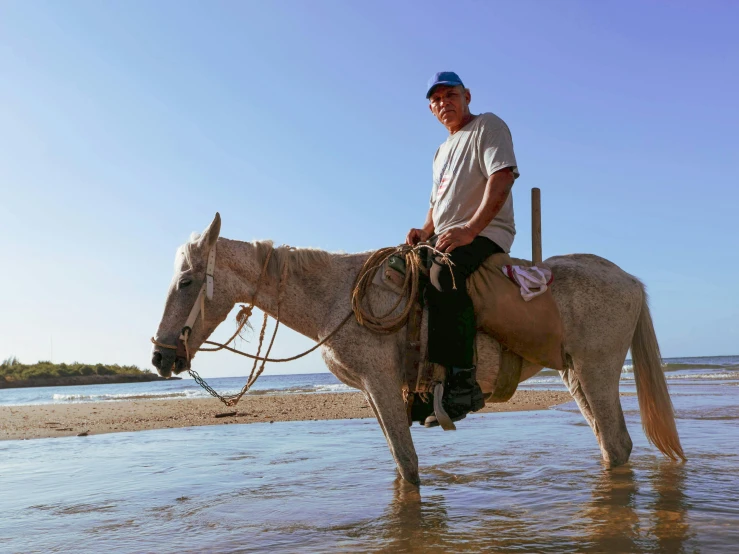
(94, 418)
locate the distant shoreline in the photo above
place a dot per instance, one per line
(81, 380)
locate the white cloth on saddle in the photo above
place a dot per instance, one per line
(533, 280)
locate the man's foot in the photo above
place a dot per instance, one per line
(420, 410)
(462, 395)
(431, 420)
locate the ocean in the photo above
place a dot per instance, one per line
(507, 482)
(679, 372)
(172, 389)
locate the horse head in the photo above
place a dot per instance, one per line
(194, 306)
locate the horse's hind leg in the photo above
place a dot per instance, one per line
(594, 384)
(386, 400)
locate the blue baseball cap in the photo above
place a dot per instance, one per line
(446, 78)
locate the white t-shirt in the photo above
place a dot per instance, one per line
(462, 166)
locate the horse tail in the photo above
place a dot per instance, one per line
(657, 413)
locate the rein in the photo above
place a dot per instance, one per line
(183, 350)
(387, 323)
(384, 324)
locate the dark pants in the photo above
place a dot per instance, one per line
(452, 325)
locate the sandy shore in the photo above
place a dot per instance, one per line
(43, 421)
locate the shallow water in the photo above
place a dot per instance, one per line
(515, 482)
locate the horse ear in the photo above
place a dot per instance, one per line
(210, 235)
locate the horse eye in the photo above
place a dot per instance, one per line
(185, 283)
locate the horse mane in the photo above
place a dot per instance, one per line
(297, 259)
(185, 252)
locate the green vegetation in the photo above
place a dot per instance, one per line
(12, 370)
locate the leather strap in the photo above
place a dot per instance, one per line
(206, 290)
(413, 347)
(210, 268)
(509, 374)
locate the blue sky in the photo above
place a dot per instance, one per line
(124, 126)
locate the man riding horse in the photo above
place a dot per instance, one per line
(601, 310)
(470, 218)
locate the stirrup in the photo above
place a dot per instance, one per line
(439, 413)
(431, 421)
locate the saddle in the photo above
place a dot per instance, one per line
(525, 330)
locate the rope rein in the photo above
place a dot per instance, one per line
(391, 322)
(388, 323)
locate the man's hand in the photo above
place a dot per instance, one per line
(415, 236)
(454, 238)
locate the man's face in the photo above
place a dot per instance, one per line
(450, 105)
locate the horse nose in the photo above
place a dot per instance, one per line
(156, 360)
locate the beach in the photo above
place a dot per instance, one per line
(95, 418)
(527, 481)
(157, 471)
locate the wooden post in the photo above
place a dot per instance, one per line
(536, 226)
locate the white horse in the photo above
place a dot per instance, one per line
(604, 311)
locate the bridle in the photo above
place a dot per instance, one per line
(386, 324)
(182, 348)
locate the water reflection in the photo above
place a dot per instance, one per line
(612, 518)
(403, 518)
(610, 521)
(670, 506)
(411, 523)
(629, 510)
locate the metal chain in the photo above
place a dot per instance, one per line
(233, 399)
(227, 400)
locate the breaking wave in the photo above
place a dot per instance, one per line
(693, 376)
(130, 396)
(302, 390)
(672, 367)
(197, 393)
(543, 381)
(674, 373)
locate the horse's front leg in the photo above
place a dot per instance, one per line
(383, 392)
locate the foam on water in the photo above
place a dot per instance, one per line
(543, 381)
(340, 387)
(121, 397)
(56, 397)
(171, 390)
(700, 376)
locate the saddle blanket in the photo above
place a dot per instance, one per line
(513, 304)
(516, 308)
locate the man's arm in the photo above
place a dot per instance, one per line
(419, 235)
(497, 189)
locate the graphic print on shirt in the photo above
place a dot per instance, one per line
(445, 178)
(443, 184)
